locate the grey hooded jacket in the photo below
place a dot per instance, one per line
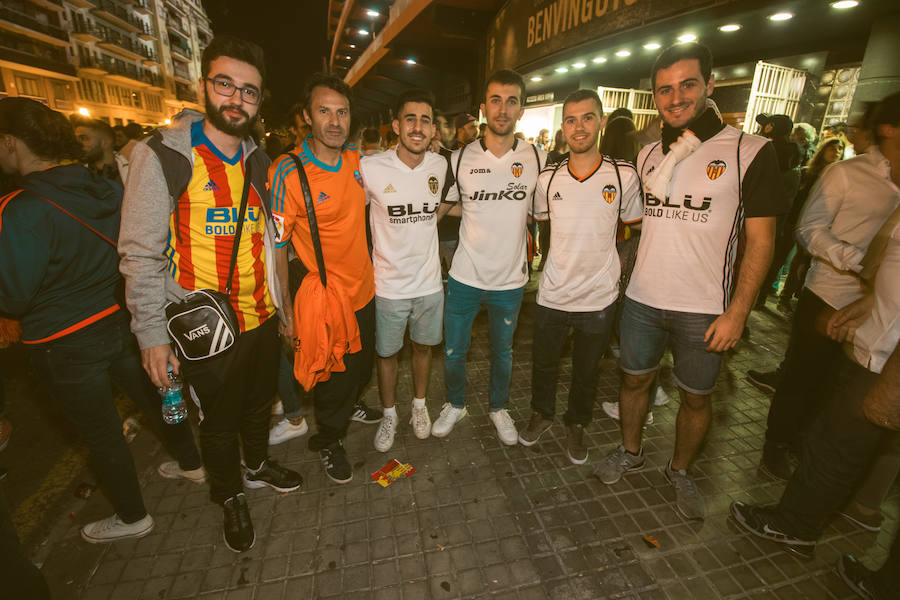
(146, 209)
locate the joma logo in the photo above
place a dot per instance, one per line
(197, 332)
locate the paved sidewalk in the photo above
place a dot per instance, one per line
(479, 519)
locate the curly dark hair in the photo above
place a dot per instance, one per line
(47, 133)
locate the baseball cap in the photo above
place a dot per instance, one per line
(463, 119)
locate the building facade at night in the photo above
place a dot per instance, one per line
(120, 61)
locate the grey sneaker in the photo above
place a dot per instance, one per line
(575, 448)
(688, 500)
(617, 463)
(536, 428)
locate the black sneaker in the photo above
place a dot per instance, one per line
(273, 475)
(364, 414)
(334, 459)
(758, 521)
(778, 461)
(857, 577)
(238, 529)
(764, 380)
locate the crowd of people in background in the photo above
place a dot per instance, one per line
(331, 245)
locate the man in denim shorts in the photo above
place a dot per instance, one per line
(705, 186)
(404, 186)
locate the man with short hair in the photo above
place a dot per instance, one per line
(444, 130)
(98, 149)
(495, 179)
(371, 141)
(120, 138)
(584, 196)
(297, 127)
(705, 183)
(133, 132)
(331, 164)
(168, 248)
(404, 187)
(466, 129)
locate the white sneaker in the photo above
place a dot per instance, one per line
(278, 408)
(171, 470)
(506, 429)
(449, 417)
(612, 410)
(661, 398)
(284, 430)
(112, 529)
(421, 422)
(384, 437)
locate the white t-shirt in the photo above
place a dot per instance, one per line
(403, 214)
(689, 240)
(496, 197)
(582, 271)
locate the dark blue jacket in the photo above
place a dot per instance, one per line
(56, 275)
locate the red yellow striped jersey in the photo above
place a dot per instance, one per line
(202, 228)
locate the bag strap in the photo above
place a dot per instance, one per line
(102, 235)
(240, 226)
(311, 216)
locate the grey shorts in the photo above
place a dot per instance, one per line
(423, 314)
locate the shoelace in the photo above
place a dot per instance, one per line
(419, 416)
(384, 432)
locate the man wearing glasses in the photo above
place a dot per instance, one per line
(171, 247)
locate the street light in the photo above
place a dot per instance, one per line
(730, 27)
(84, 112)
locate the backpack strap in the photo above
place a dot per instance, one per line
(176, 169)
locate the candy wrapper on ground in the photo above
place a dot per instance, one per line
(391, 472)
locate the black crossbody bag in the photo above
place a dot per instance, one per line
(204, 324)
(302, 271)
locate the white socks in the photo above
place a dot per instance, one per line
(391, 412)
(418, 402)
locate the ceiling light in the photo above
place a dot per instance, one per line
(363, 32)
(599, 59)
(84, 112)
(536, 79)
(353, 46)
(687, 37)
(373, 13)
(842, 4)
(348, 58)
(730, 27)
(561, 70)
(623, 53)
(652, 46)
(410, 61)
(782, 16)
(579, 65)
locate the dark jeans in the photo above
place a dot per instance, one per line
(591, 337)
(836, 454)
(234, 392)
(80, 369)
(289, 389)
(810, 355)
(887, 579)
(20, 577)
(334, 399)
(784, 241)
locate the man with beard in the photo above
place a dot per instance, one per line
(98, 153)
(495, 180)
(332, 166)
(584, 196)
(168, 248)
(706, 185)
(404, 188)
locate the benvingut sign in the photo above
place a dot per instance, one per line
(528, 30)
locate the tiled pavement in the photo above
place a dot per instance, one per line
(479, 519)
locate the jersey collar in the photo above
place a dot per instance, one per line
(312, 157)
(586, 177)
(199, 138)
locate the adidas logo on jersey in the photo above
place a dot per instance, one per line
(322, 197)
(210, 186)
(389, 189)
(557, 196)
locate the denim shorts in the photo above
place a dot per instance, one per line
(423, 314)
(645, 333)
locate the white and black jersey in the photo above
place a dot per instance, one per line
(496, 195)
(689, 240)
(582, 271)
(403, 215)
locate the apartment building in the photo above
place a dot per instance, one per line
(117, 60)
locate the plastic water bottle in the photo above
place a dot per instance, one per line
(174, 409)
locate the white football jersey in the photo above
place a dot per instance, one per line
(496, 195)
(582, 271)
(403, 215)
(689, 240)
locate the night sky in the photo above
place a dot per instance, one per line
(291, 32)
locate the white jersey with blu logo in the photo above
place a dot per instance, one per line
(403, 214)
(689, 240)
(496, 195)
(582, 271)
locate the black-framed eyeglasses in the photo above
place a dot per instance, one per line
(226, 88)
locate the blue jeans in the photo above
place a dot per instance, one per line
(460, 309)
(551, 329)
(79, 370)
(288, 389)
